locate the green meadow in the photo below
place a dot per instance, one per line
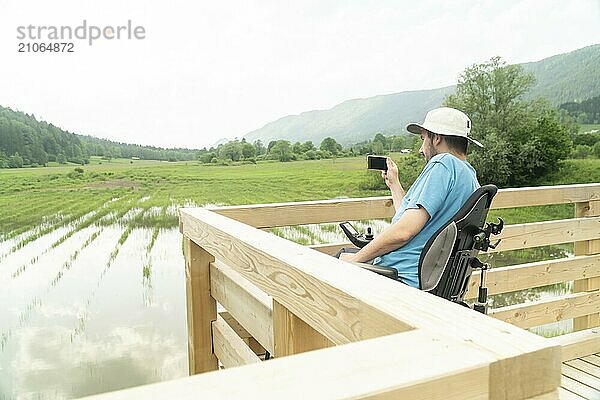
(44, 198)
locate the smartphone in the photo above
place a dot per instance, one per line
(377, 162)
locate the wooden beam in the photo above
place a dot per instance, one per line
(345, 303)
(587, 209)
(322, 211)
(410, 365)
(546, 311)
(536, 274)
(249, 305)
(523, 236)
(229, 348)
(300, 279)
(201, 308)
(292, 335)
(236, 326)
(310, 212)
(553, 395)
(579, 344)
(243, 333)
(542, 195)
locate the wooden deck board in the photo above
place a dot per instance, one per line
(581, 378)
(593, 359)
(567, 395)
(586, 367)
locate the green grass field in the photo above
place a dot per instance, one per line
(589, 128)
(45, 198)
(59, 195)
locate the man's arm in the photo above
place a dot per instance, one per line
(394, 236)
(392, 182)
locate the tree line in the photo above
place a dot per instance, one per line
(25, 141)
(284, 150)
(584, 112)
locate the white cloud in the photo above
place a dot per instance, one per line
(212, 69)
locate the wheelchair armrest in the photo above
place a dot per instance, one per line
(388, 272)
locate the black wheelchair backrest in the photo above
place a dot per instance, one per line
(445, 263)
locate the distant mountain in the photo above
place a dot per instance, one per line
(573, 76)
(569, 77)
(354, 120)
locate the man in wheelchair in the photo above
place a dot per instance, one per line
(442, 213)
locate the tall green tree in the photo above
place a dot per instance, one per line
(231, 150)
(259, 147)
(329, 144)
(248, 150)
(524, 140)
(281, 150)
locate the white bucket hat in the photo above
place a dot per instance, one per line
(445, 121)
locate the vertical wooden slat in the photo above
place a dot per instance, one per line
(588, 247)
(201, 308)
(292, 335)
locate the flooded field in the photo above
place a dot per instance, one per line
(91, 310)
(97, 303)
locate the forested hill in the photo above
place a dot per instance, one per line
(584, 112)
(573, 76)
(26, 141)
(568, 77)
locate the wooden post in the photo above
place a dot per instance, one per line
(201, 308)
(292, 335)
(587, 247)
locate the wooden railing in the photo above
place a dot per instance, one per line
(374, 337)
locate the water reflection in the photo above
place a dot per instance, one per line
(104, 324)
(123, 357)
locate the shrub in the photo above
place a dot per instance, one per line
(581, 151)
(597, 150)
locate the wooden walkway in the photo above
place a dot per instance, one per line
(581, 378)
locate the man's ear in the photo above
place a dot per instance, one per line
(437, 139)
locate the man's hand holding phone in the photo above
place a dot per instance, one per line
(391, 175)
(391, 180)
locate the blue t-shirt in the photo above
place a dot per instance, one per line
(443, 187)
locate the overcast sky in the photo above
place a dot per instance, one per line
(213, 69)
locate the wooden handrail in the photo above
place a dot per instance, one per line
(345, 303)
(535, 234)
(550, 310)
(536, 274)
(579, 344)
(440, 368)
(292, 275)
(325, 211)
